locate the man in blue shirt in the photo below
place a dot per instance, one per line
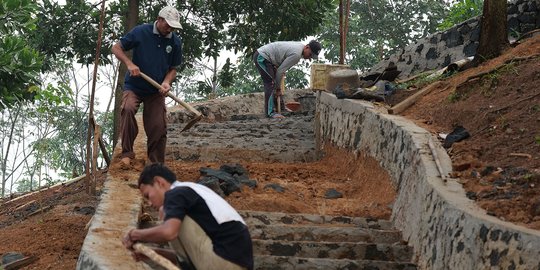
(157, 51)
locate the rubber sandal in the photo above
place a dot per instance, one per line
(277, 116)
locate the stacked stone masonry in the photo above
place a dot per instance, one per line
(459, 42)
(446, 229)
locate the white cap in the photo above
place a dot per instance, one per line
(171, 16)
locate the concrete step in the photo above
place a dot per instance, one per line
(326, 234)
(263, 262)
(333, 250)
(273, 218)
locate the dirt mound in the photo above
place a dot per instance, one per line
(498, 103)
(48, 225)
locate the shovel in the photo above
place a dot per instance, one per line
(198, 115)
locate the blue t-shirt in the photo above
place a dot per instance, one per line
(153, 53)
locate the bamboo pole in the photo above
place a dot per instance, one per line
(92, 97)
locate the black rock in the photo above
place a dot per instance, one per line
(471, 195)
(458, 134)
(332, 194)
(234, 169)
(10, 257)
(275, 187)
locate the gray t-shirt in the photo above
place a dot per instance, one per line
(282, 54)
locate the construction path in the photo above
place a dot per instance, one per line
(281, 240)
(291, 241)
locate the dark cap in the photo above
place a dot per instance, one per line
(315, 47)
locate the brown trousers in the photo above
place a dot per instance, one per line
(154, 120)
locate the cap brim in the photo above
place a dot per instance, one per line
(174, 24)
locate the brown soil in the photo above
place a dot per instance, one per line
(366, 189)
(499, 164)
(48, 225)
(501, 110)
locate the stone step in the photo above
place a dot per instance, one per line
(296, 124)
(326, 234)
(247, 134)
(267, 262)
(273, 218)
(332, 250)
(257, 140)
(230, 154)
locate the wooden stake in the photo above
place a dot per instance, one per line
(524, 155)
(148, 252)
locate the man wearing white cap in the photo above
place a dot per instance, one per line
(157, 51)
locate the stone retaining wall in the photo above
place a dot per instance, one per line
(447, 230)
(461, 41)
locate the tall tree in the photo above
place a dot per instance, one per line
(378, 28)
(493, 32)
(131, 20)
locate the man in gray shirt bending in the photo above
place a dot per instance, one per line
(273, 60)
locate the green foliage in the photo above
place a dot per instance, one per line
(249, 79)
(537, 140)
(226, 75)
(422, 80)
(16, 17)
(203, 88)
(460, 12)
(72, 31)
(255, 23)
(19, 67)
(295, 79)
(19, 62)
(65, 149)
(379, 28)
(208, 27)
(50, 97)
(454, 96)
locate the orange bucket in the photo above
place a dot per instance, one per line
(293, 106)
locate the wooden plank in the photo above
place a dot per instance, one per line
(402, 106)
(148, 252)
(67, 183)
(24, 205)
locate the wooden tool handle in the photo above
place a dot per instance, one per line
(169, 94)
(148, 252)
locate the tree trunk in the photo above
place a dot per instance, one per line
(131, 21)
(341, 45)
(493, 32)
(9, 142)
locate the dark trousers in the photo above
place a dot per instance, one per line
(154, 121)
(268, 75)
